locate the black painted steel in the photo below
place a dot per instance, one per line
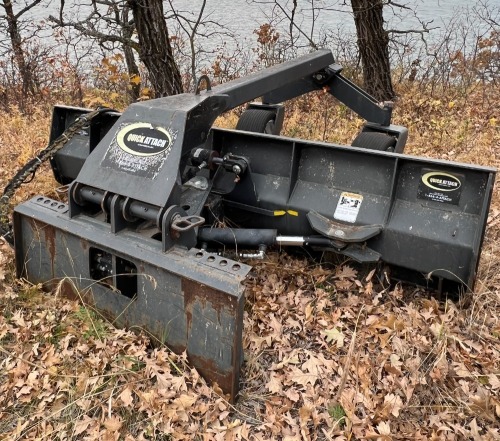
(149, 186)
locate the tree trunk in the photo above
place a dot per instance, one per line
(373, 44)
(28, 83)
(133, 70)
(155, 49)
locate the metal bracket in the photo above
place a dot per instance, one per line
(186, 223)
(338, 231)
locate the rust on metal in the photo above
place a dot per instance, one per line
(227, 311)
(50, 239)
(202, 315)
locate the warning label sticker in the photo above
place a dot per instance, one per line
(348, 207)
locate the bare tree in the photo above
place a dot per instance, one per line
(198, 39)
(373, 45)
(190, 28)
(13, 28)
(372, 38)
(155, 49)
(109, 23)
(371, 34)
(112, 22)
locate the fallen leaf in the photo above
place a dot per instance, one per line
(393, 403)
(113, 423)
(292, 394)
(302, 378)
(82, 425)
(384, 428)
(334, 335)
(274, 384)
(126, 397)
(185, 401)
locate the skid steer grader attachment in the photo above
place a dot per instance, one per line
(150, 191)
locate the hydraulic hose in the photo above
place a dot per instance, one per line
(242, 237)
(30, 168)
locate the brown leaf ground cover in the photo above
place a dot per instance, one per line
(331, 352)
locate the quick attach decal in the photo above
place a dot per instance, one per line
(440, 186)
(140, 149)
(142, 139)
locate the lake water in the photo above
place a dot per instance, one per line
(242, 17)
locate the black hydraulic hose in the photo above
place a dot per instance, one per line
(243, 237)
(30, 168)
(321, 241)
(254, 237)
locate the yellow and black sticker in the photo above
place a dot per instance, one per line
(142, 139)
(139, 149)
(348, 207)
(283, 212)
(439, 186)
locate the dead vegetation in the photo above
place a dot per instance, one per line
(330, 353)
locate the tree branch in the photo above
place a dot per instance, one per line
(89, 32)
(398, 5)
(411, 31)
(27, 8)
(309, 40)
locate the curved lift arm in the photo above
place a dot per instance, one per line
(314, 71)
(341, 88)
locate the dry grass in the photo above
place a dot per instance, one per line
(328, 355)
